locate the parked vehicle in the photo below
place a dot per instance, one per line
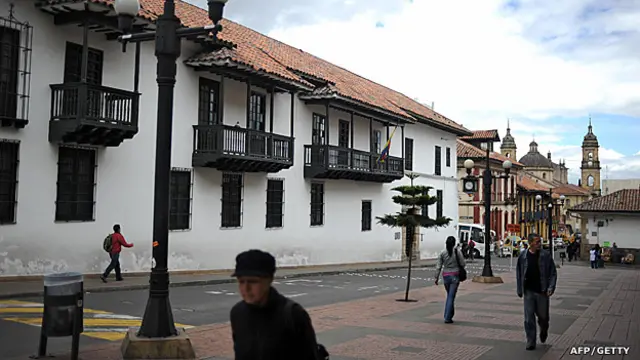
(474, 232)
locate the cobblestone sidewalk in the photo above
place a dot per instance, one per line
(590, 307)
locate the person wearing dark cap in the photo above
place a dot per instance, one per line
(536, 278)
(265, 324)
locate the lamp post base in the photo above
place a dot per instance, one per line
(173, 347)
(487, 279)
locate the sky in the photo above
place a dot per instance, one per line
(548, 66)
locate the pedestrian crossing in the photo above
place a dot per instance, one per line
(98, 324)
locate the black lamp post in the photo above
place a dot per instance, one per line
(550, 206)
(158, 317)
(470, 185)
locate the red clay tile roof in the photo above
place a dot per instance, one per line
(527, 183)
(483, 135)
(273, 57)
(571, 190)
(624, 201)
(466, 150)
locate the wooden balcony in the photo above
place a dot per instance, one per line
(333, 162)
(92, 114)
(232, 148)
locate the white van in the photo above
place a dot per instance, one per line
(474, 232)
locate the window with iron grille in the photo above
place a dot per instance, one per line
(424, 210)
(257, 111)
(366, 215)
(76, 184)
(9, 72)
(231, 216)
(275, 203)
(180, 199)
(448, 160)
(318, 133)
(208, 102)
(438, 161)
(9, 158)
(439, 203)
(317, 204)
(408, 154)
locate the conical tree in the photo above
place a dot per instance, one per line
(412, 198)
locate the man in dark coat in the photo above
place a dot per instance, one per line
(266, 325)
(536, 278)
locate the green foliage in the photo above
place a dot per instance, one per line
(413, 197)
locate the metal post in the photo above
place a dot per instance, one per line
(158, 318)
(487, 179)
(550, 222)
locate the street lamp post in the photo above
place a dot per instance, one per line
(470, 184)
(550, 206)
(158, 317)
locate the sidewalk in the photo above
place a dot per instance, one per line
(18, 289)
(590, 308)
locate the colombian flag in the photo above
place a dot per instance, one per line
(385, 151)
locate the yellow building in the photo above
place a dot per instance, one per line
(590, 167)
(533, 215)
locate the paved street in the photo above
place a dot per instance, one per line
(109, 314)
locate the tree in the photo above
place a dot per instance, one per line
(412, 198)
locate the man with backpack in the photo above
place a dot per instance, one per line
(113, 244)
(265, 324)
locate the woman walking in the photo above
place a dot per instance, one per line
(450, 264)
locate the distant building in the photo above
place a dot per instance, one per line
(611, 186)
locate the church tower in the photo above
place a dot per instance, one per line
(508, 147)
(590, 167)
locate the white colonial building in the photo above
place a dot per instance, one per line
(273, 148)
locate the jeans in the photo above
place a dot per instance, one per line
(594, 264)
(113, 265)
(536, 305)
(451, 283)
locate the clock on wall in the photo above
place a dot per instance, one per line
(470, 185)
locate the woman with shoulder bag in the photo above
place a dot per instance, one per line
(451, 264)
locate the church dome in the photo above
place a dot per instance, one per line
(534, 159)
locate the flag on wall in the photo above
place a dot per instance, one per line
(385, 151)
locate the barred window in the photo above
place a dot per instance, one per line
(231, 215)
(275, 203)
(448, 160)
(317, 204)
(180, 200)
(9, 72)
(208, 102)
(9, 158)
(76, 184)
(318, 131)
(439, 203)
(366, 215)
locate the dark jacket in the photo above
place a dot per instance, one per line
(548, 273)
(263, 333)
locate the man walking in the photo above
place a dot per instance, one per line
(536, 278)
(117, 242)
(266, 325)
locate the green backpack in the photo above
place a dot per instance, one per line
(107, 244)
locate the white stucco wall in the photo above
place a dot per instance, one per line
(623, 229)
(124, 192)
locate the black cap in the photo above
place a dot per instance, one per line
(255, 263)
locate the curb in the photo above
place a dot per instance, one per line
(214, 281)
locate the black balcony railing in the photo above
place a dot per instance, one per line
(228, 147)
(334, 162)
(95, 114)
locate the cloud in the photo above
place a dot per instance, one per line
(264, 15)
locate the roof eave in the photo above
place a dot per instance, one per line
(605, 211)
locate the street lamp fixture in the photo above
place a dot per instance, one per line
(157, 321)
(470, 185)
(550, 206)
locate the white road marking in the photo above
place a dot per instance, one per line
(295, 295)
(367, 288)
